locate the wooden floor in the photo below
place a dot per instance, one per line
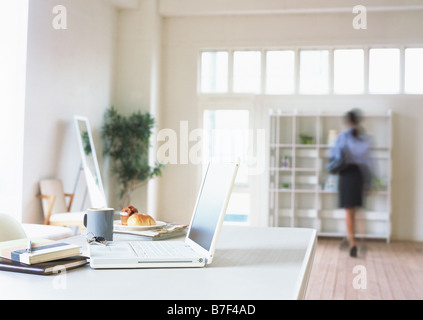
(382, 271)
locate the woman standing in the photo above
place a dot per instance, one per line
(355, 177)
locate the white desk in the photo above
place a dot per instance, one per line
(250, 263)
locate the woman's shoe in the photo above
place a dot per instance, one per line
(353, 252)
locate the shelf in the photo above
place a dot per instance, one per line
(274, 145)
(281, 169)
(357, 235)
(305, 146)
(285, 213)
(293, 190)
(305, 213)
(339, 214)
(304, 202)
(318, 146)
(294, 169)
(381, 193)
(305, 190)
(372, 193)
(281, 190)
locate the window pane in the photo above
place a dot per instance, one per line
(314, 71)
(348, 71)
(414, 70)
(226, 136)
(280, 72)
(214, 72)
(247, 71)
(384, 70)
(238, 207)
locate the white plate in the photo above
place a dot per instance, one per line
(118, 226)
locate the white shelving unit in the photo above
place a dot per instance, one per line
(303, 194)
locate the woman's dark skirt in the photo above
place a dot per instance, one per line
(350, 187)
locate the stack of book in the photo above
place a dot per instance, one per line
(40, 256)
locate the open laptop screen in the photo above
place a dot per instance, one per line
(211, 203)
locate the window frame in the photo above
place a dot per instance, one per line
(240, 102)
(262, 92)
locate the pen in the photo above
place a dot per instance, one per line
(29, 247)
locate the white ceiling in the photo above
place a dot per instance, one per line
(125, 4)
(169, 8)
(237, 7)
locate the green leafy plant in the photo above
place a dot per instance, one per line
(126, 141)
(86, 143)
(306, 139)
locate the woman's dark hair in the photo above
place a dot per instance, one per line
(353, 118)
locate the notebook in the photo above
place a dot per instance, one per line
(44, 268)
(200, 242)
(42, 250)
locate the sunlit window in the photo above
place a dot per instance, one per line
(214, 72)
(238, 207)
(226, 137)
(348, 71)
(247, 72)
(413, 70)
(280, 72)
(384, 70)
(314, 71)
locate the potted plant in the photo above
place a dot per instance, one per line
(306, 139)
(126, 141)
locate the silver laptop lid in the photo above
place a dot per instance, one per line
(210, 208)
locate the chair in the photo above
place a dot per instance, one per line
(53, 199)
(10, 229)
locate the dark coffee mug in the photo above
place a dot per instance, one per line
(99, 222)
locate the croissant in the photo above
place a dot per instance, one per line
(141, 219)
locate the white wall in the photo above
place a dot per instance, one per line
(184, 36)
(13, 40)
(138, 50)
(68, 72)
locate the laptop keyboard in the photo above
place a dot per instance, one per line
(146, 249)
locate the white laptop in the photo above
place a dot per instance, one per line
(198, 248)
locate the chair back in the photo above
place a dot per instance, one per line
(10, 229)
(53, 187)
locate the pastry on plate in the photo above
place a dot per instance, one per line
(126, 213)
(141, 219)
